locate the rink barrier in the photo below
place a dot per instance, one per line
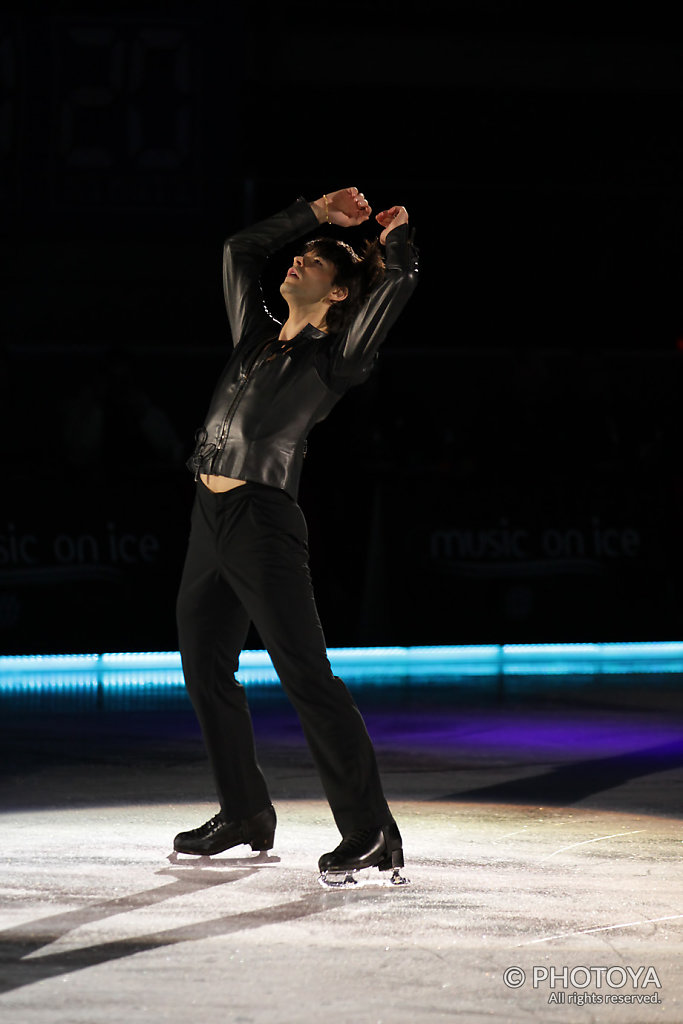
(368, 665)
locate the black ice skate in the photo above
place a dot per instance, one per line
(366, 848)
(217, 834)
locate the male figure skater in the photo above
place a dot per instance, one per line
(247, 558)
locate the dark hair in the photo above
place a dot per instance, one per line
(359, 274)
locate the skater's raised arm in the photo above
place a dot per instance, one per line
(244, 256)
(359, 344)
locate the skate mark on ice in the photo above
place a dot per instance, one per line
(602, 928)
(586, 842)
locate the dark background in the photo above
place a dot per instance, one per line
(512, 470)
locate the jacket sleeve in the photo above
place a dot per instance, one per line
(357, 346)
(244, 256)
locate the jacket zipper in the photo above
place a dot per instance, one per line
(232, 408)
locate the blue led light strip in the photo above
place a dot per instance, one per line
(371, 664)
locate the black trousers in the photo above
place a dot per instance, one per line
(248, 560)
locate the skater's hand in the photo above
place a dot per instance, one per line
(347, 207)
(390, 219)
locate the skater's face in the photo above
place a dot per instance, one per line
(310, 280)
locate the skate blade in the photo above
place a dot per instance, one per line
(337, 879)
(356, 879)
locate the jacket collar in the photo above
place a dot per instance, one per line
(310, 331)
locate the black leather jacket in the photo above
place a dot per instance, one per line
(271, 393)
